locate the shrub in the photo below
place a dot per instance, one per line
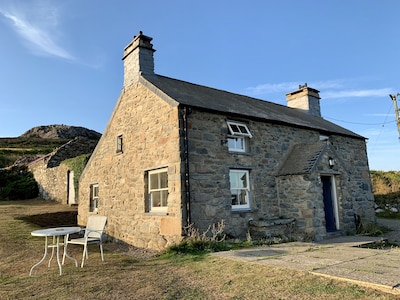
(17, 184)
(195, 242)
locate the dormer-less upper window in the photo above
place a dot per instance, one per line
(238, 139)
(119, 144)
(240, 129)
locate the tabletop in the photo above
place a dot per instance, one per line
(57, 231)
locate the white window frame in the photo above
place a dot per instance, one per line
(239, 144)
(239, 134)
(238, 129)
(158, 189)
(237, 189)
(94, 197)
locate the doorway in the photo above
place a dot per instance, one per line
(70, 188)
(330, 203)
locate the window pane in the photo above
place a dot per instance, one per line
(156, 199)
(236, 143)
(234, 198)
(163, 180)
(95, 191)
(154, 181)
(159, 199)
(243, 180)
(243, 197)
(235, 128)
(238, 179)
(164, 198)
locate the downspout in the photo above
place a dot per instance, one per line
(186, 112)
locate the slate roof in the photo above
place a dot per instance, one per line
(303, 158)
(203, 97)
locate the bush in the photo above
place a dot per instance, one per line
(17, 184)
(211, 240)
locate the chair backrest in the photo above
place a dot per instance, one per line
(97, 224)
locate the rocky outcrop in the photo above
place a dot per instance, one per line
(60, 132)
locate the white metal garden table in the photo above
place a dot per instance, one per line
(55, 233)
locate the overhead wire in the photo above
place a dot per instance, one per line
(370, 124)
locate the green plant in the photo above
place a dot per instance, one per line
(17, 183)
(196, 242)
(77, 164)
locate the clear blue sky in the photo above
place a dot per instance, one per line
(60, 61)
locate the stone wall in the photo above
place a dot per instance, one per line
(210, 161)
(272, 197)
(52, 182)
(151, 139)
(52, 176)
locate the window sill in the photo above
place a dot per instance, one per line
(156, 213)
(239, 153)
(242, 210)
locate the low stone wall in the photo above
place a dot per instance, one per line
(52, 176)
(271, 229)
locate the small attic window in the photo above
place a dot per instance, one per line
(238, 129)
(119, 144)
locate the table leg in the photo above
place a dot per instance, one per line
(58, 254)
(52, 251)
(43, 258)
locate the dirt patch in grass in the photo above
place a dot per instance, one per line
(131, 273)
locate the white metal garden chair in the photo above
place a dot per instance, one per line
(93, 234)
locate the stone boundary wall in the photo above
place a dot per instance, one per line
(51, 175)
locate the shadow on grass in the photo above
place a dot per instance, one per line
(48, 220)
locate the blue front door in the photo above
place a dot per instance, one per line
(328, 204)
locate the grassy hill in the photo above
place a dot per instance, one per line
(13, 149)
(38, 141)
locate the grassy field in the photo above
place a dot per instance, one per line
(129, 273)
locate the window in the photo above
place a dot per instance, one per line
(236, 128)
(158, 189)
(237, 144)
(238, 139)
(94, 197)
(119, 144)
(240, 189)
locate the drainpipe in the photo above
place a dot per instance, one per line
(186, 112)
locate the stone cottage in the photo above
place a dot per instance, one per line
(175, 153)
(56, 180)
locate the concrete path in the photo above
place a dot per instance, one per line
(340, 258)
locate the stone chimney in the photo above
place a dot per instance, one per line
(138, 59)
(305, 99)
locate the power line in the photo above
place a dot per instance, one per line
(367, 124)
(380, 132)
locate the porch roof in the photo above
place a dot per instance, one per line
(302, 159)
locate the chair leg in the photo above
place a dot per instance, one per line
(101, 251)
(65, 251)
(83, 255)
